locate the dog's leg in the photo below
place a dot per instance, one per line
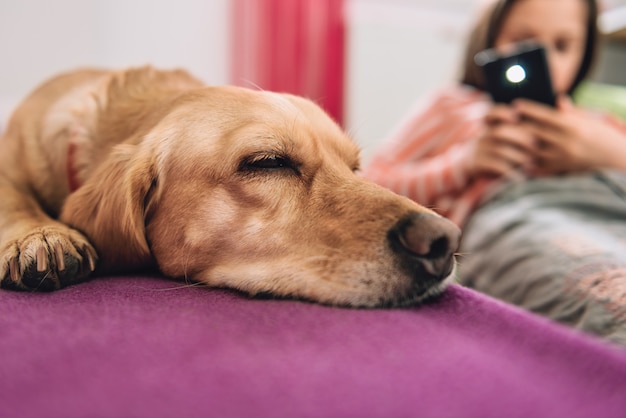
(36, 251)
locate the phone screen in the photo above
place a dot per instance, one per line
(522, 73)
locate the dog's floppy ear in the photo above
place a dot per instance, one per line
(110, 208)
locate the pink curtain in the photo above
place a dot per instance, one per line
(293, 46)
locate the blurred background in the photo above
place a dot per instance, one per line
(365, 61)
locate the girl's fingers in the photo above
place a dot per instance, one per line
(545, 136)
(513, 156)
(500, 113)
(492, 164)
(496, 156)
(515, 136)
(564, 103)
(538, 113)
(547, 154)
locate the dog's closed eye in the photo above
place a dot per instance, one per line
(268, 162)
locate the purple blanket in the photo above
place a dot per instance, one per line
(147, 347)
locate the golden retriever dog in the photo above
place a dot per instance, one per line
(113, 172)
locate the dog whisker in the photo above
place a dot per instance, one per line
(181, 286)
(187, 253)
(250, 83)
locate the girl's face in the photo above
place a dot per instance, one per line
(560, 25)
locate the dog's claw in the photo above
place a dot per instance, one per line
(60, 257)
(14, 270)
(42, 260)
(91, 258)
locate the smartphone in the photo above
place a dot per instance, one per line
(520, 73)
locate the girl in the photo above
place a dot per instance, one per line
(540, 191)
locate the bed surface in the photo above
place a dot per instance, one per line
(149, 347)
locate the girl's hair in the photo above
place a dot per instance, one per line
(486, 29)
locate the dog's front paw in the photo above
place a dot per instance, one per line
(47, 258)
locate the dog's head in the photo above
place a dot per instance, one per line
(258, 191)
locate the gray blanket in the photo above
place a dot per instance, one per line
(555, 246)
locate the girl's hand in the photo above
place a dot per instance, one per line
(504, 147)
(571, 139)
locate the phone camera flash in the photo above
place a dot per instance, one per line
(515, 74)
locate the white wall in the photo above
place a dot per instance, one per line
(39, 38)
(398, 51)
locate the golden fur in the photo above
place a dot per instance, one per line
(225, 186)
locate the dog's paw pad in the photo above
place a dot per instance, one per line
(33, 278)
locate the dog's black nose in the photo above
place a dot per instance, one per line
(426, 242)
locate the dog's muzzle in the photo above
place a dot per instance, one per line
(425, 244)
